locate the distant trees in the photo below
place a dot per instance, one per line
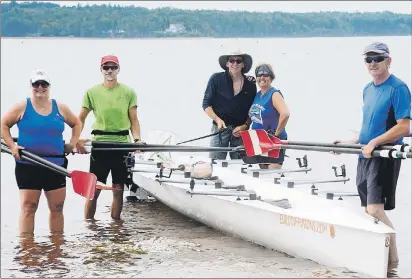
(47, 19)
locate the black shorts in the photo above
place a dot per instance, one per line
(265, 160)
(33, 177)
(376, 180)
(103, 162)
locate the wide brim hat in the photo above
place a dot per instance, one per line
(247, 60)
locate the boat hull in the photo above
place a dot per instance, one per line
(305, 230)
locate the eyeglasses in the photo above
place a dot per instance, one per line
(262, 75)
(43, 84)
(238, 61)
(106, 68)
(377, 59)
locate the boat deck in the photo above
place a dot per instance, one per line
(302, 205)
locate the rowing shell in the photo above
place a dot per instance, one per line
(308, 227)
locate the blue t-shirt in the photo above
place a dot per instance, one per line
(264, 115)
(383, 105)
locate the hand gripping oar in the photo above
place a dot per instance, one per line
(258, 142)
(84, 183)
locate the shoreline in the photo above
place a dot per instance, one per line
(185, 38)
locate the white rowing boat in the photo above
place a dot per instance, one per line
(280, 218)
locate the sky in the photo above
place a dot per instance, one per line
(404, 7)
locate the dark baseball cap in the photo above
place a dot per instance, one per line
(377, 47)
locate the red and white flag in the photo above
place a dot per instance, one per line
(257, 142)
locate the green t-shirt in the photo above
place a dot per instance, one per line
(110, 107)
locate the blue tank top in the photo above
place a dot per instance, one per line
(264, 115)
(42, 135)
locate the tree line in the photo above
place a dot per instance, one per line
(31, 19)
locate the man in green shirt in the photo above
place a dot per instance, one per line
(114, 106)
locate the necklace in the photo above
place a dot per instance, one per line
(42, 108)
(237, 91)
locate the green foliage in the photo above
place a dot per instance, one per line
(105, 21)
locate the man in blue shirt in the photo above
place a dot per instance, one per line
(227, 100)
(386, 113)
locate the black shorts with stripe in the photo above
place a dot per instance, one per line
(376, 180)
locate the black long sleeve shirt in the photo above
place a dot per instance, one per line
(219, 95)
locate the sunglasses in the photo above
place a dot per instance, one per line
(106, 68)
(43, 84)
(263, 75)
(377, 59)
(238, 61)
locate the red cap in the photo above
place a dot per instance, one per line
(109, 58)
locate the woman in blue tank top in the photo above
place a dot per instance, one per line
(40, 121)
(268, 112)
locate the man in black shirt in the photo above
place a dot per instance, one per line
(227, 100)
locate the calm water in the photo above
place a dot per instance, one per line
(321, 79)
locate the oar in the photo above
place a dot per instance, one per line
(207, 136)
(131, 147)
(84, 183)
(376, 153)
(5, 149)
(258, 142)
(113, 146)
(167, 149)
(399, 147)
(116, 146)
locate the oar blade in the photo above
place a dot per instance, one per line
(274, 153)
(257, 142)
(84, 183)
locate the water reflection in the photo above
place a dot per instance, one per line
(393, 270)
(153, 241)
(42, 257)
(110, 244)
